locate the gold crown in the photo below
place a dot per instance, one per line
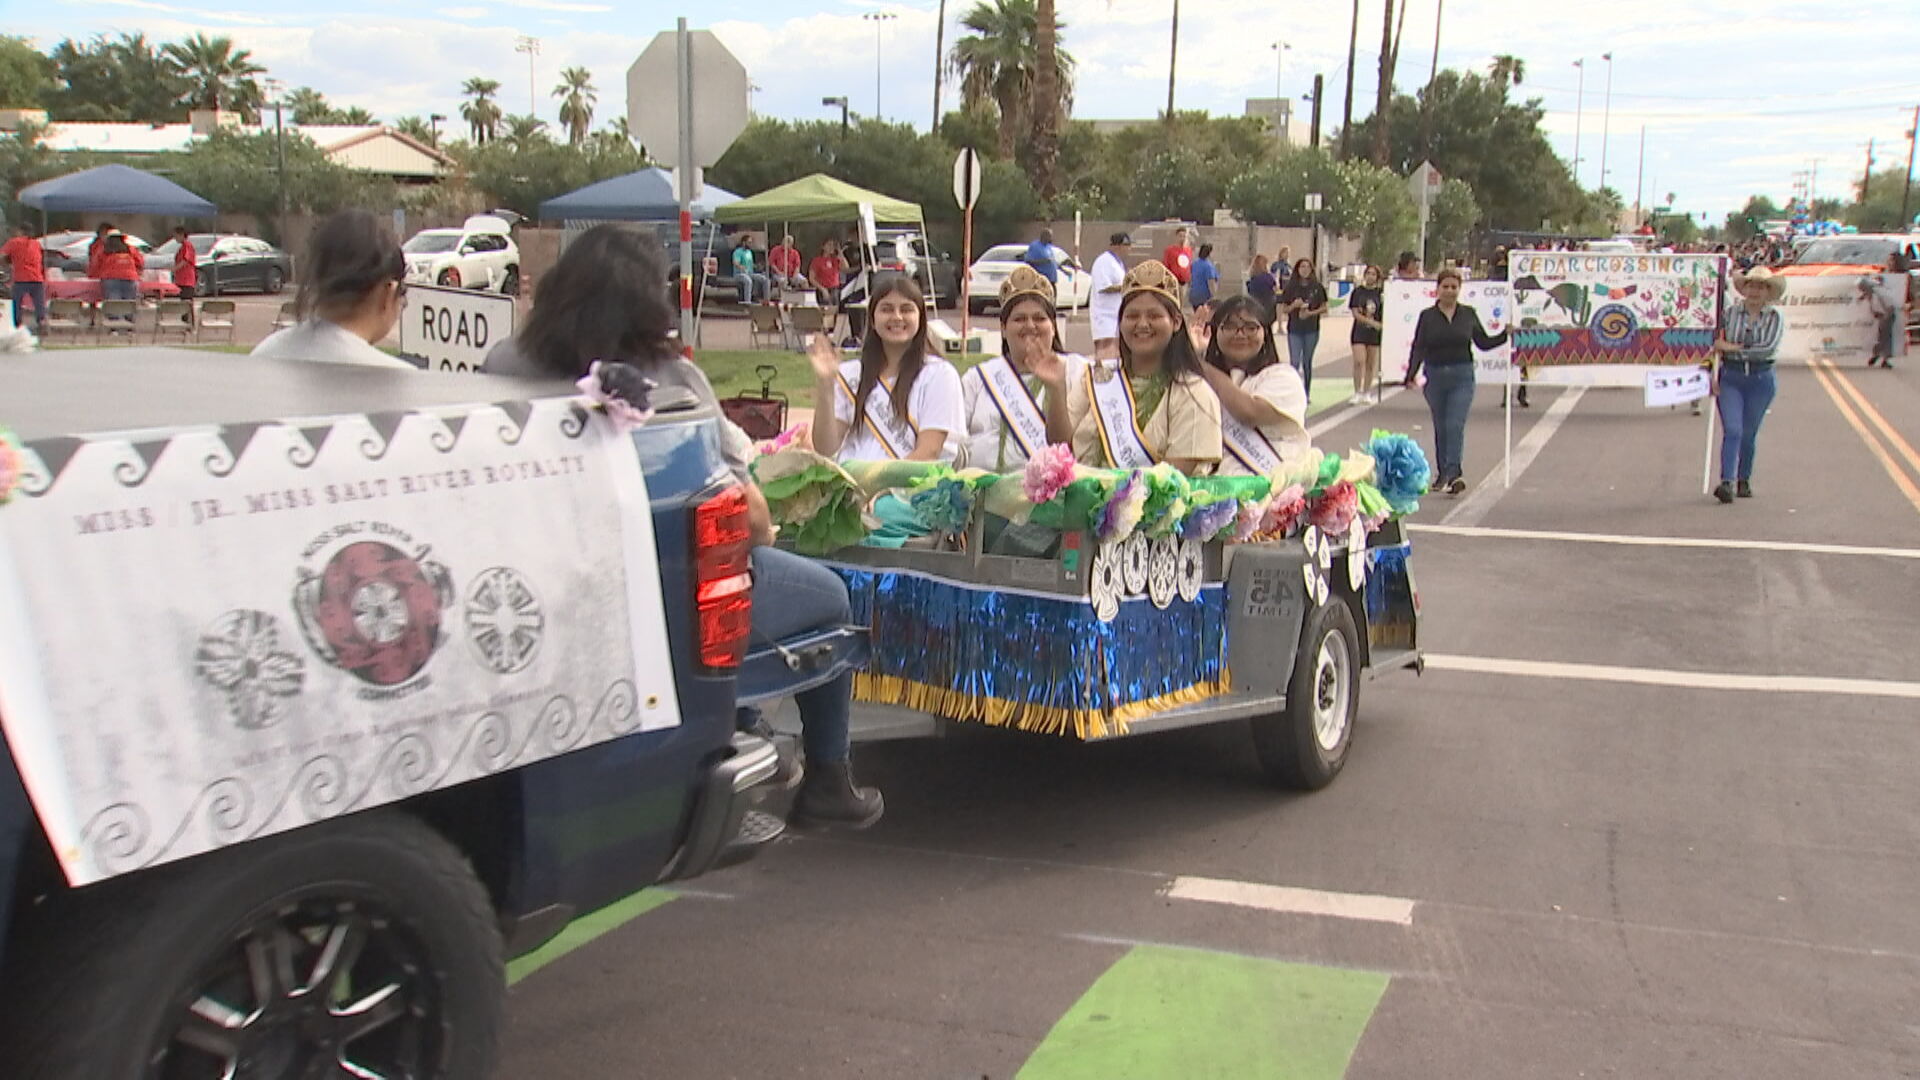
(1154, 277)
(1025, 281)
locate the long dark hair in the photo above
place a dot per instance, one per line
(1052, 317)
(873, 353)
(1179, 359)
(1252, 309)
(606, 299)
(351, 254)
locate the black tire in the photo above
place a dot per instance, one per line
(102, 978)
(1326, 684)
(510, 286)
(274, 281)
(449, 279)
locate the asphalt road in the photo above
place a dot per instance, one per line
(1651, 812)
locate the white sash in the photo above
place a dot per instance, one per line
(1113, 411)
(880, 416)
(1018, 411)
(1248, 445)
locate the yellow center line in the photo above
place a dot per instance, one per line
(1891, 433)
(1823, 372)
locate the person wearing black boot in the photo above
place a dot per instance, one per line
(601, 301)
(1749, 336)
(1444, 338)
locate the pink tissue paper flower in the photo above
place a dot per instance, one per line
(1048, 472)
(1334, 511)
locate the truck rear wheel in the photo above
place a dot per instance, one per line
(1304, 746)
(362, 947)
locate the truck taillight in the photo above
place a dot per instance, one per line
(723, 581)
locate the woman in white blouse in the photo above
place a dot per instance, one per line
(1263, 401)
(1004, 397)
(898, 400)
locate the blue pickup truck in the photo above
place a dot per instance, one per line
(372, 943)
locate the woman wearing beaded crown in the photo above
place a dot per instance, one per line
(1154, 405)
(1003, 397)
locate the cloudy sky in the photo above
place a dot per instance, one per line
(1736, 96)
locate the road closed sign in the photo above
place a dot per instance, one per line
(452, 329)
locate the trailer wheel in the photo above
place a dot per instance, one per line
(1304, 746)
(362, 947)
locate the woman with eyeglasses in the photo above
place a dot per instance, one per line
(1263, 402)
(352, 287)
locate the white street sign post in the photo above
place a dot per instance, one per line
(1314, 204)
(683, 82)
(1424, 184)
(966, 192)
(452, 329)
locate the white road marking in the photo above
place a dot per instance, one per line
(1690, 680)
(1386, 909)
(1322, 427)
(1666, 541)
(1481, 500)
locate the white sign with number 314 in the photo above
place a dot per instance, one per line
(1677, 387)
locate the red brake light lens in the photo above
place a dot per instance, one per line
(723, 581)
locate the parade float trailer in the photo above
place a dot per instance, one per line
(1149, 602)
(328, 689)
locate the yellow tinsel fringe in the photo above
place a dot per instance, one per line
(1083, 724)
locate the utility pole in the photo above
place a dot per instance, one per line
(1579, 104)
(1606, 118)
(276, 88)
(1866, 178)
(1319, 89)
(1173, 58)
(1640, 184)
(1906, 197)
(530, 46)
(939, 64)
(1433, 74)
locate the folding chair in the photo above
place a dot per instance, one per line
(217, 316)
(763, 321)
(116, 318)
(71, 317)
(806, 319)
(173, 317)
(285, 318)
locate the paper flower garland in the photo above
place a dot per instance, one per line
(1335, 509)
(1400, 470)
(1049, 472)
(620, 391)
(1122, 513)
(11, 464)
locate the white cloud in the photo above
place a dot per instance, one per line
(242, 18)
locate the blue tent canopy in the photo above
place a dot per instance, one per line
(647, 195)
(115, 189)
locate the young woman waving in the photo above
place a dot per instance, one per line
(1263, 403)
(897, 400)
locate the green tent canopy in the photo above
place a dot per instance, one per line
(816, 198)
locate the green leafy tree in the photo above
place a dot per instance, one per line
(1507, 69)
(1359, 198)
(1474, 133)
(1451, 217)
(1751, 220)
(1880, 210)
(218, 77)
(577, 96)
(522, 174)
(239, 172)
(119, 79)
(1679, 228)
(418, 129)
(354, 114)
(480, 111)
(24, 160)
(523, 131)
(997, 62)
(26, 74)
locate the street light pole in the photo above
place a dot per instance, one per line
(530, 46)
(433, 121)
(1606, 118)
(1279, 63)
(842, 102)
(1640, 184)
(1579, 103)
(1906, 197)
(880, 19)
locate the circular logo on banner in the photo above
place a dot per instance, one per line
(1614, 326)
(374, 611)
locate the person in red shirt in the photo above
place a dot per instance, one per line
(826, 270)
(119, 270)
(1179, 257)
(186, 263)
(98, 248)
(785, 261)
(24, 255)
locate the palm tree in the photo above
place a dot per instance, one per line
(578, 97)
(1046, 89)
(1173, 57)
(1389, 59)
(355, 115)
(305, 105)
(524, 131)
(152, 85)
(416, 128)
(219, 75)
(1507, 70)
(481, 114)
(997, 62)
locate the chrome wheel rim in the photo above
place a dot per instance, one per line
(1332, 690)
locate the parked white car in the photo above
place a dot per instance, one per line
(480, 255)
(992, 267)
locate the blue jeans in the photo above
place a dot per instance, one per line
(35, 291)
(749, 285)
(1744, 397)
(1300, 347)
(1449, 393)
(792, 595)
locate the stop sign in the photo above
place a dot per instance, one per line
(719, 98)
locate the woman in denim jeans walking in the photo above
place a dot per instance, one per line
(1749, 336)
(1443, 342)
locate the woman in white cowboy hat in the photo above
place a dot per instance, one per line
(1004, 398)
(1154, 405)
(1749, 336)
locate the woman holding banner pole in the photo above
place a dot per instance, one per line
(1749, 336)
(1443, 342)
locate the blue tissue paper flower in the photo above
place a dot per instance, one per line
(1400, 470)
